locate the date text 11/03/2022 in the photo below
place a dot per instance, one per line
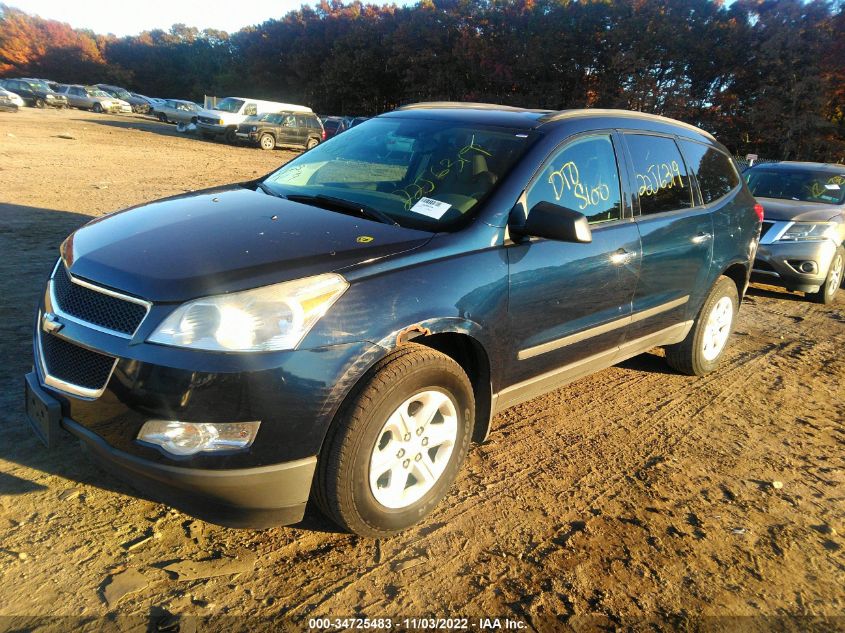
(414, 624)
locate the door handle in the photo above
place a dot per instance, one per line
(701, 238)
(622, 257)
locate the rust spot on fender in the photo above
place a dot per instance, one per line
(405, 335)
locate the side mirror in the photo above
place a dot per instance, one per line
(555, 222)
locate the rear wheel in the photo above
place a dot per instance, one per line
(39, 103)
(312, 143)
(397, 444)
(267, 142)
(700, 352)
(827, 293)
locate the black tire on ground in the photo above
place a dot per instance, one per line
(97, 108)
(266, 141)
(162, 117)
(208, 136)
(827, 293)
(688, 356)
(229, 135)
(342, 484)
(39, 103)
(312, 143)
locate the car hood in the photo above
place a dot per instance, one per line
(224, 240)
(778, 209)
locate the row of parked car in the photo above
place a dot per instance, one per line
(42, 93)
(265, 124)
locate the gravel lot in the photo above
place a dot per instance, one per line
(633, 497)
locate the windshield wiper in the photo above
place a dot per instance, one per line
(339, 204)
(269, 191)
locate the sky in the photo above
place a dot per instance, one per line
(130, 17)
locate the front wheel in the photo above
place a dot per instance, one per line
(267, 142)
(162, 117)
(98, 108)
(827, 293)
(397, 444)
(39, 103)
(230, 135)
(700, 352)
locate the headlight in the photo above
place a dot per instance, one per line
(253, 128)
(51, 96)
(274, 317)
(806, 231)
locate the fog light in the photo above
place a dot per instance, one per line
(189, 438)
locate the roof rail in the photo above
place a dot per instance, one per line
(574, 114)
(465, 104)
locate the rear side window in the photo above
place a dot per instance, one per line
(714, 171)
(661, 177)
(582, 177)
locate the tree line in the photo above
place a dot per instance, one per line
(766, 76)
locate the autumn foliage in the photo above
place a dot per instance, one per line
(766, 76)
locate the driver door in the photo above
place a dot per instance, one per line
(570, 302)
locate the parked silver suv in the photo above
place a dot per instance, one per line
(804, 226)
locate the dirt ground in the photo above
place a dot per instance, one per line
(635, 498)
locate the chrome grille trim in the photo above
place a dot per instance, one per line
(56, 306)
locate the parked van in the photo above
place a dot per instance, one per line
(225, 117)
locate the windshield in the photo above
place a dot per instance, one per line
(122, 94)
(420, 173)
(229, 105)
(801, 185)
(37, 85)
(96, 93)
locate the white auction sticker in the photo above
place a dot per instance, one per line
(832, 187)
(430, 207)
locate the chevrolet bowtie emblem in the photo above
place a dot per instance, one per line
(50, 323)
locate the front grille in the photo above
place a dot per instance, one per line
(73, 364)
(95, 307)
(765, 228)
(209, 120)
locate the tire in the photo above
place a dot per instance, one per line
(229, 135)
(207, 136)
(700, 352)
(39, 103)
(162, 117)
(312, 143)
(357, 496)
(97, 108)
(267, 142)
(827, 293)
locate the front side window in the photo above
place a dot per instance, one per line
(447, 168)
(805, 185)
(661, 177)
(582, 177)
(714, 171)
(251, 109)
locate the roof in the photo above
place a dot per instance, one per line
(790, 165)
(529, 118)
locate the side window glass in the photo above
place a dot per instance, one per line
(714, 171)
(290, 121)
(251, 109)
(661, 177)
(582, 177)
(301, 121)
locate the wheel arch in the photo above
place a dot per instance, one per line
(738, 272)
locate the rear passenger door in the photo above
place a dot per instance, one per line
(676, 235)
(571, 301)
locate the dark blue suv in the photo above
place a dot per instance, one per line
(343, 328)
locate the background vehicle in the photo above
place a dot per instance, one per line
(94, 99)
(372, 318)
(34, 93)
(801, 246)
(6, 103)
(230, 112)
(283, 129)
(177, 111)
(357, 121)
(12, 97)
(138, 104)
(333, 125)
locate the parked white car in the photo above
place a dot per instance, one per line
(11, 96)
(230, 112)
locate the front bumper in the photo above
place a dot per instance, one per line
(210, 128)
(294, 394)
(779, 264)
